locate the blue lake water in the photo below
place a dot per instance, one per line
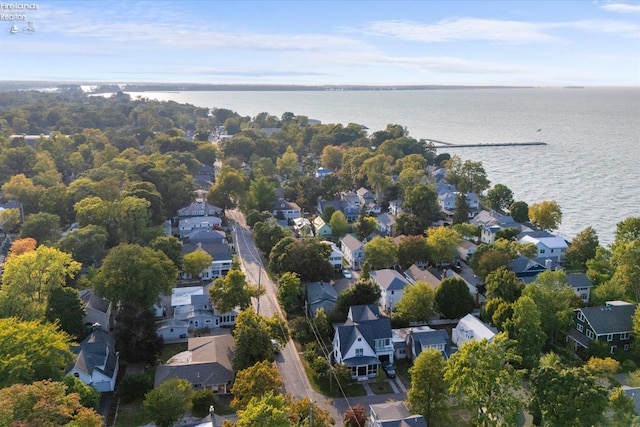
(590, 165)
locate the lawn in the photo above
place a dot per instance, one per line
(131, 415)
(170, 350)
(328, 386)
(381, 388)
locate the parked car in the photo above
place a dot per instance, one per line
(347, 274)
(275, 345)
(389, 369)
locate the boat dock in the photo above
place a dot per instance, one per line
(489, 144)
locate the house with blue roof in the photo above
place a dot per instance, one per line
(363, 341)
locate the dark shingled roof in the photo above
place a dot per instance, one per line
(610, 319)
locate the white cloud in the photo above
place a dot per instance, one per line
(622, 7)
(463, 29)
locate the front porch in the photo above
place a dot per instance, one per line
(363, 367)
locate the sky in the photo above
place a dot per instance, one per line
(531, 43)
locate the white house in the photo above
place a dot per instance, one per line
(548, 246)
(191, 304)
(471, 328)
(391, 285)
(288, 210)
(220, 264)
(97, 362)
(353, 251)
(302, 227)
(393, 414)
(199, 208)
(581, 284)
(386, 224)
(188, 225)
(335, 257)
(363, 341)
(466, 249)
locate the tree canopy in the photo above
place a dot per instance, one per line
(255, 381)
(168, 403)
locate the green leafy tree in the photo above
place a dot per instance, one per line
(29, 279)
(623, 408)
(363, 292)
(9, 219)
(262, 194)
(32, 351)
(252, 336)
(381, 252)
(377, 171)
(583, 248)
(89, 396)
(136, 274)
(171, 247)
(599, 268)
(365, 226)
(422, 202)
(412, 249)
(556, 301)
(289, 292)
(66, 307)
(443, 244)
(525, 328)
(519, 211)
(461, 213)
(453, 298)
(428, 392)
(626, 260)
(229, 188)
(267, 410)
(45, 403)
(482, 379)
(288, 163)
(500, 197)
(86, 244)
(308, 257)
(416, 305)
(147, 191)
(339, 225)
(468, 176)
(503, 283)
(545, 215)
(301, 411)
(44, 227)
(196, 262)
(135, 334)
(627, 231)
(487, 259)
(23, 190)
(169, 402)
(255, 381)
(568, 397)
(332, 157)
(231, 291)
(267, 234)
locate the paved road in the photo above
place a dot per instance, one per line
(288, 361)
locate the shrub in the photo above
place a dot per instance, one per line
(133, 387)
(201, 401)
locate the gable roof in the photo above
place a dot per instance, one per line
(609, 319)
(426, 338)
(97, 353)
(416, 274)
(91, 301)
(551, 242)
(281, 204)
(363, 313)
(207, 362)
(206, 236)
(523, 266)
(579, 280)
(386, 219)
(480, 330)
(388, 279)
(351, 243)
(321, 294)
(395, 414)
(199, 206)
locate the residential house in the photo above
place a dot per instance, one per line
(491, 222)
(418, 338)
(320, 295)
(391, 284)
(97, 362)
(524, 267)
(395, 207)
(393, 414)
(172, 329)
(220, 264)
(207, 364)
(203, 235)
(12, 204)
(283, 209)
(187, 226)
(353, 250)
(336, 256)
(611, 324)
(191, 305)
(323, 230)
(322, 172)
(549, 246)
(363, 341)
(365, 196)
(386, 224)
(447, 202)
(471, 328)
(97, 311)
(415, 274)
(466, 249)
(581, 285)
(302, 227)
(199, 208)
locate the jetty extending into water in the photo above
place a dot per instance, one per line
(489, 144)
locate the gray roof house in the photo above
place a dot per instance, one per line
(320, 295)
(353, 251)
(611, 324)
(199, 208)
(391, 284)
(415, 274)
(394, 414)
(386, 224)
(362, 341)
(207, 364)
(526, 267)
(288, 210)
(408, 343)
(581, 285)
(97, 310)
(97, 362)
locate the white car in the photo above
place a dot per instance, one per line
(347, 274)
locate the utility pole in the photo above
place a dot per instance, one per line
(310, 413)
(259, 277)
